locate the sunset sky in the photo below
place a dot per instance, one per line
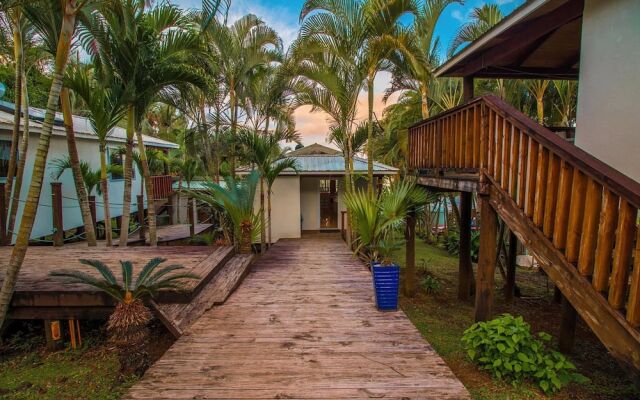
(283, 15)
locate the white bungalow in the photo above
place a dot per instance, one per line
(311, 200)
(88, 150)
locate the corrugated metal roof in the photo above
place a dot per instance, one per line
(331, 165)
(81, 126)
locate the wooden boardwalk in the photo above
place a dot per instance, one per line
(301, 325)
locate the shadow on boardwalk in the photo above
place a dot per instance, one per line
(302, 325)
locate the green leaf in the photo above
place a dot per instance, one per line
(523, 357)
(544, 385)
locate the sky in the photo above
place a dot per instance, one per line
(282, 15)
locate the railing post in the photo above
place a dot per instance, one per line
(5, 236)
(140, 199)
(56, 202)
(410, 282)
(465, 268)
(486, 259)
(193, 218)
(92, 210)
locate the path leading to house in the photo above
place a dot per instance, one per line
(301, 325)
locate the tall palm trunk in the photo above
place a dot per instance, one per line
(148, 184)
(128, 166)
(424, 95)
(81, 190)
(370, 137)
(263, 236)
(18, 52)
(104, 186)
(22, 158)
(269, 211)
(33, 197)
(234, 116)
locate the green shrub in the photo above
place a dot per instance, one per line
(505, 347)
(451, 244)
(430, 284)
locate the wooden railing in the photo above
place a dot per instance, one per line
(587, 210)
(162, 186)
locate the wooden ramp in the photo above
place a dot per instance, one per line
(301, 325)
(180, 316)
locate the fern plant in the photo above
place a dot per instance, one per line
(127, 325)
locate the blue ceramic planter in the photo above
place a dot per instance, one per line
(386, 282)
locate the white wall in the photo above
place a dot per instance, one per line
(608, 119)
(285, 207)
(88, 151)
(310, 203)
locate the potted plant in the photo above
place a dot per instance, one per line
(386, 275)
(127, 325)
(375, 220)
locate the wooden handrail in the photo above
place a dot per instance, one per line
(162, 186)
(586, 209)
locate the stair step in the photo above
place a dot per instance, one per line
(179, 316)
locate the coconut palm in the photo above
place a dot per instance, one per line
(148, 51)
(241, 50)
(70, 10)
(537, 88)
(47, 19)
(127, 325)
(236, 198)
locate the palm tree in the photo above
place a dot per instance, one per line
(148, 52)
(418, 54)
(482, 19)
(105, 110)
(70, 10)
(361, 33)
(241, 50)
(537, 88)
(235, 197)
(127, 325)
(566, 100)
(47, 20)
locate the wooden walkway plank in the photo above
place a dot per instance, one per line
(302, 325)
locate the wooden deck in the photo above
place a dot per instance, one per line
(301, 325)
(39, 295)
(172, 233)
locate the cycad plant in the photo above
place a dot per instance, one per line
(127, 326)
(377, 218)
(235, 197)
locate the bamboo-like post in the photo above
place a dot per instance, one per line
(622, 255)
(140, 201)
(465, 267)
(532, 177)
(606, 235)
(56, 210)
(92, 210)
(563, 204)
(553, 178)
(5, 236)
(486, 260)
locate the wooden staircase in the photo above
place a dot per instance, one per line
(575, 214)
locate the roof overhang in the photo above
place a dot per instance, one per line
(539, 40)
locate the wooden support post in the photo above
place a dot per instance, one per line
(465, 268)
(173, 208)
(72, 333)
(510, 285)
(467, 88)
(53, 334)
(192, 217)
(56, 210)
(118, 224)
(140, 199)
(486, 259)
(411, 277)
(567, 326)
(5, 236)
(92, 210)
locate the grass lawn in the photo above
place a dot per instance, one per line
(442, 318)
(29, 371)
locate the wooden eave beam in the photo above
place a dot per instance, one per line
(519, 37)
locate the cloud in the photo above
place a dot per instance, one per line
(457, 14)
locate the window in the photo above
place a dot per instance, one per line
(5, 151)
